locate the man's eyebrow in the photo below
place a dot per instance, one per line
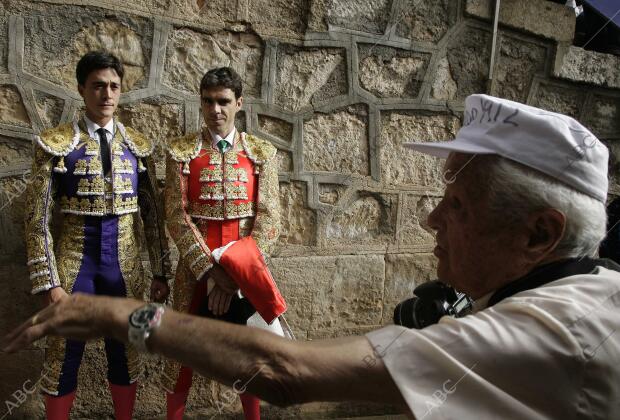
(209, 98)
(104, 82)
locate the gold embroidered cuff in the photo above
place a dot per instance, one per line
(41, 283)
(200, 266)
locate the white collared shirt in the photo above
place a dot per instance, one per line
(93, 127)
(552, 352)
(481, 303)
(230, 138)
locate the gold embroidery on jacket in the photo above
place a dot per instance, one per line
(117, 147)
(81, 167)
(54, 359)
(122, 166)
(215, 158)
(94, 167)
(125, 205)
(129, 257)
(219, 211)
(122, 185)
(134, 363)
(235, 192)
(194, 254)
(97, 207)
(231, 156)
(245, 226)
(70, 250)
(211, 174)
(95, 186)
(267, 224)
(39, 204)
(92, 148)
(131, 267)
(236, 174)
(212, 192)
(184, 149)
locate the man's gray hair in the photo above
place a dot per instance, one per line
(516, 190)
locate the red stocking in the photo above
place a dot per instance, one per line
(176, 401)
(123, 397)
(251, 406)
(58, 408)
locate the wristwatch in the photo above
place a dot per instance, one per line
(142, 322)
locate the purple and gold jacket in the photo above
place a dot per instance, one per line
(67, 173)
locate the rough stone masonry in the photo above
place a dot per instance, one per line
(337, 86)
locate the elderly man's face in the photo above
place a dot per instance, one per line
(476, 252)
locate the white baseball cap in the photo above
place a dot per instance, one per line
(554, 144)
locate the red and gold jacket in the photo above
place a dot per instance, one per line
(213, 198)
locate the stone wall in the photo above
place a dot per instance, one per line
(337, 86)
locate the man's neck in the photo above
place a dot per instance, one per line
(514, 276)
(481, 298)
(101, 122)
(222, 134)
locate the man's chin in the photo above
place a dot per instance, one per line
(215, 125)
(444, 275)
(101, 114)
(107, 109)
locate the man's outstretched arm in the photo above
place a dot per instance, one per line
(277, 370)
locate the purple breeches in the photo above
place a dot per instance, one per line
(99, 274)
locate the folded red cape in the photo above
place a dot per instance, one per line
(244, 262)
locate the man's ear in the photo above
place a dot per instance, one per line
(81, 90)
(240, 101)
(545, 229)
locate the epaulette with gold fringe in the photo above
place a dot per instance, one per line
(258, 150)
(60, 141)
(184, 149)
(137, 142)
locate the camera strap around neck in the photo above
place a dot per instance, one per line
(551, 272)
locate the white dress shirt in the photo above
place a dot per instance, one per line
(230, 139)
(93, 127)
(552, 352)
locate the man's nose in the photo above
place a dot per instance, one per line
(433, 218)
(107, 91)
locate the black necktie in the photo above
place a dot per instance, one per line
(104, 150)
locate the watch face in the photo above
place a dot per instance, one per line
(142, 317)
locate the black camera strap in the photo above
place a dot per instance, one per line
(551, 272)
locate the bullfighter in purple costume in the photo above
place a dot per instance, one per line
(101, 176)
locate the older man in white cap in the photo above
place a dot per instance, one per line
(517, 229)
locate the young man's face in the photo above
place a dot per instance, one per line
(101, 93)
(219, 108)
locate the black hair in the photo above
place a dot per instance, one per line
(222, 77)
(97, 60)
